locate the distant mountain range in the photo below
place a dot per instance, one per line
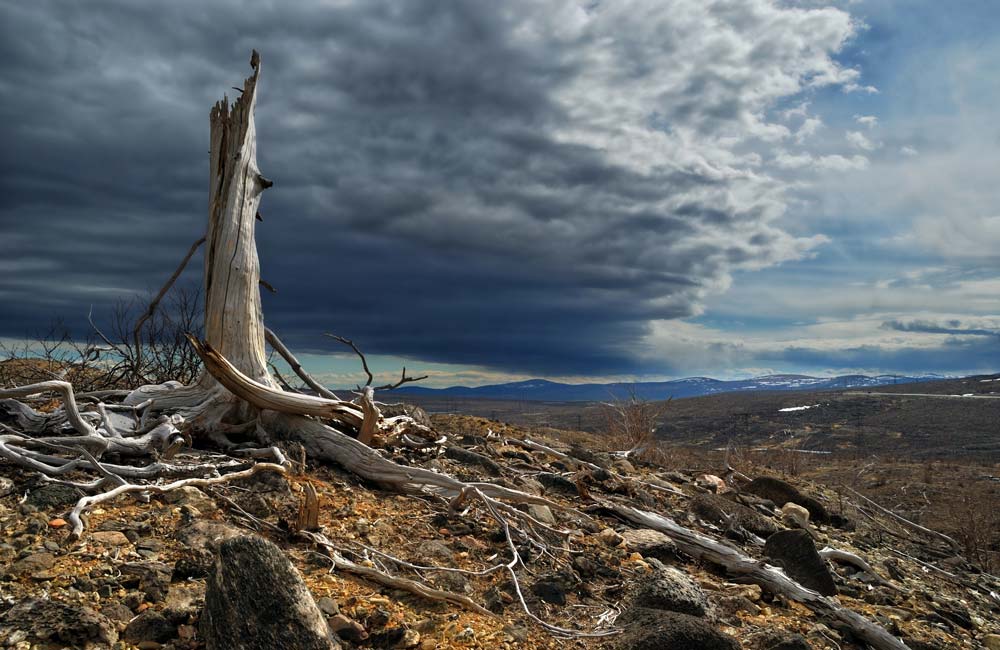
(550, 391)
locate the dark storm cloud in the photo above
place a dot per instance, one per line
(960, 355)
(955, 327)
(469, 182)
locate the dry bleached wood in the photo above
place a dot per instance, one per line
(266, 396)
(90, 501)
(234, 322)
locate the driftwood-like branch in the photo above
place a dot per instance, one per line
(341, 563)
(364, 364)
(65, 390)
(273, 399)
(402, 380)
(771, 578)
(350, 343)
(279, 347)
(326, 443)
(90, 501)
(858, 562)
(846, 557)
(907, 523)
(285, 386)
(370, 423)
(535, 446)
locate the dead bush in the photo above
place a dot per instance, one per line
(631, 423)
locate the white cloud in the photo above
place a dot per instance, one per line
(830, 162)
(907, 150)
(809, 127)
(869, 121)
(860, 141)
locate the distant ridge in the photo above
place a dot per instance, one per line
(550, 391)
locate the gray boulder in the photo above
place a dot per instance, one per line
(256, 600)
(654, 629)
(671, 590)
(51, 622)
(649, 543)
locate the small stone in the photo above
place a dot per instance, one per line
(622, 466)
(584, 566)
(35, 525)
(328, 606)
(792, 514)
(557, 483)
(750, 592)
(728, 606)
(790, 642)
(57, 522)
(133, 600)
(153, 578)
(51, 545)
(411, 639)
(433, 551)
(149, 626)
(992, 641)
(712, 483)
(542, 513)
(609, 537)
(33, 563)
(186, 633)
(117, 612)
(550, 591)
(347, 629)
(16, 637)
(649, 543)
(517, 633)
(191, 496)
(466, 634)
(109, 538)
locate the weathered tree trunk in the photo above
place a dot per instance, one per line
(234, 324)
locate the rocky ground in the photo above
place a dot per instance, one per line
(137, 578)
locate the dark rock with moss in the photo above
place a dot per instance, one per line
(672, 590)
(53, 496)
(722, 511)
(654, 629)
(51, 622)
(256, 600)
(795, 552)
(149, 626)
